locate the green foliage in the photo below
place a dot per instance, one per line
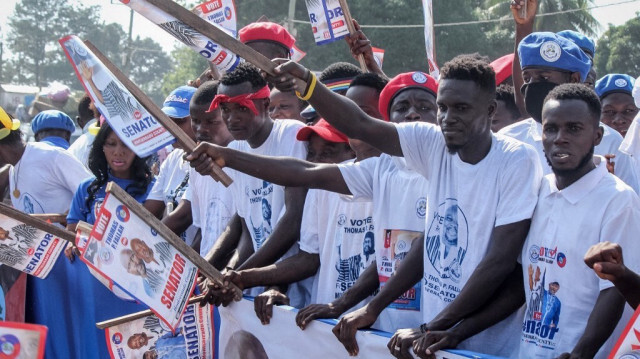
(186, 65)
(618, 49)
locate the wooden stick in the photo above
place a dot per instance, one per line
(37, 223)
(205, 267)
(52, 217)
(182, 138)
(352, 29)
(133, 316)
(218, 36)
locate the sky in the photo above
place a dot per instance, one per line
(113, 11)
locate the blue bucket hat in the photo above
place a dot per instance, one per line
(546, 49)
(612, 83)
(52, 120)
(584, 43)
(176, 105)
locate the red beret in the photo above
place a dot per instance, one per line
(502, 67)
(266, 31)
(323, 129)
(402, 82)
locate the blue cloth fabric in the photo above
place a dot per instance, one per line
(56, 142)
(548, 50)
(584, 43)
(70, 301)
(612, 83)
(52, 119)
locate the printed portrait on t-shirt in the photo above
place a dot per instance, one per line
(355, 245)
(447, 239)
(263, 226)
(30, 205)
(543, 310)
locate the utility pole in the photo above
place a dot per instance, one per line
(129, 51)
(292, 14)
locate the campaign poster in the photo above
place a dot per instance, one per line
(396, 247)
(224, 59)
(628, 346)
(221, 13)
(125, 249)
(149, 338)
(22, 341)
(297, 54)
(378, 55)
(142, 133)
(27, 248)
(327, 21)
(242, 335)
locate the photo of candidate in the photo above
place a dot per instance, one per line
(133, 263)
(5, 236)
(244, 345)
(551, 306)
(446, 243)
(138, 340)
(142, 250)
(368, 247)
(150, 354)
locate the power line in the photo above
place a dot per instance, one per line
(482, 21)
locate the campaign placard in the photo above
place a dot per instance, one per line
(22, 341)
(224, 59)
(126, 250)
(396, 247)
(628, 346)
(149, 338)
(142, 133)
(27, 248)
(328, 23)
(221, 13)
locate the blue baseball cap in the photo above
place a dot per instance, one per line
(176, 105)
(546, 49)
(52, 120)
(612, 83)
(584, 43)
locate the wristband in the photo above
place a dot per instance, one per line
(310, 88)
(423, 328)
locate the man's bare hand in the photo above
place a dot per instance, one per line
(204, 156)
(71, 252)
(263, 304)
(348, 326)
(531, 10)
(359, 44)
(216, 294)
(428, 344)
(316, 311)
(290, 76)
(606, 260)
(401, 342)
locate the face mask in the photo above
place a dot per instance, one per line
(534, 95)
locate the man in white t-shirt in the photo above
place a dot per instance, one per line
(264, 210)
(492, 180)
(87, 116)
(173, 178)
(570, 312)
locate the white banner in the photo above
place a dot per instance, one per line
(123, 248)
(28, 249)
(327, 21)
(429, 38)
(243, 336)
(628, 346)
(193, 339)
(22, 341)
(129, 120)
(224, 59)
(221, 13)
(297, 54)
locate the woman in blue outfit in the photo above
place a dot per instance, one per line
(76, 301)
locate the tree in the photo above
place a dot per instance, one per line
(186, 65)
(618, 49)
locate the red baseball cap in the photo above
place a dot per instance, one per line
(323, 129)
(503, 68)
(266, 31)
(402, 82)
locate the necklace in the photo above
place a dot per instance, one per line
(16, 191)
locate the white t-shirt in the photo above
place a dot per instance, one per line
(341, 231)
(465, 203)
(171, 183)
(598, 207)
(631, 147)
(81, 147)
(47, 178)
(211, 207)
(400, 204)
(261, 203)
(530, 131)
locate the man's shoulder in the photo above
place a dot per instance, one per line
(519, 129)
(513, 147)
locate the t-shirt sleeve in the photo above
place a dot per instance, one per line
(157, 191)
(419, 142)
(519, 187)
(309, 239)
(70, 171)
(78, 210)
(359, 177)
(192, 197)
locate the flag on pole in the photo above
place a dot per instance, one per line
(221, 13)
(378, 55)
(429, 38)
(297, 54)
(327, 21)
(129, 120)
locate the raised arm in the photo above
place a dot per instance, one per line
(606, 260)
(283, 171)
(359, 44)
(338, 110)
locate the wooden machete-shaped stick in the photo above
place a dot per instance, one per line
(182, 138)
(37, 223)
(352, 29)
(52, 217)
(133, 316)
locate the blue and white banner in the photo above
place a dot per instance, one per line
(243, 336)
(221, 13)
(327, 21)
(224, 59)
(129, 120)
